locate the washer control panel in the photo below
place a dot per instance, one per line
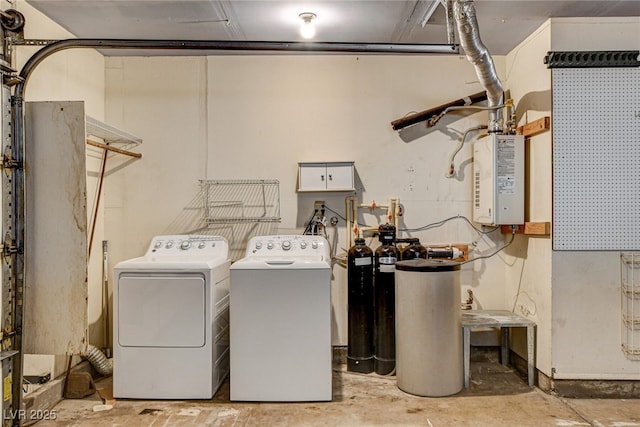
(188, 245)
(288, 245)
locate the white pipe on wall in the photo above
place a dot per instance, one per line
(351, 207)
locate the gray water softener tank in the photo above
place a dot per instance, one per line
(428, 327)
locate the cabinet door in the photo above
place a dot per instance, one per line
(312, 177)
(340, 176)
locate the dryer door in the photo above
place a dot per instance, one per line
(161, 310)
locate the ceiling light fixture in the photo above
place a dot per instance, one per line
(307, 30)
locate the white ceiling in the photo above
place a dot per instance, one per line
(503, 23)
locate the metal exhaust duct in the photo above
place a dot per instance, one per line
(476, 52)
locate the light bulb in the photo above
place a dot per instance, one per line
(307, 30)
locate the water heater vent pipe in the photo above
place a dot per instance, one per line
(476, 52)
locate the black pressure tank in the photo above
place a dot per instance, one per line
(413, 250)
(384, 288)
(360, 314)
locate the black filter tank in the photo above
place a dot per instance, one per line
(384, 294)
(412, 250)
(360, 314)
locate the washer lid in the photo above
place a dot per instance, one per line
(427, 265)
(276, 262)
(171, 263)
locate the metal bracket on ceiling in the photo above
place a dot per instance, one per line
(11, 41)
(431, 9)
(31, 42)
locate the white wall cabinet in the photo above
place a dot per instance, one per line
(327, 176)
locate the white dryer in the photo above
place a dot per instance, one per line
(281, 320)
(171, 313)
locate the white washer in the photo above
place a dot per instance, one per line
(171, 312)
(281, 320)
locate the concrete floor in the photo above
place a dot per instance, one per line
(498, 396)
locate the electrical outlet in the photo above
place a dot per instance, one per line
(318, 205)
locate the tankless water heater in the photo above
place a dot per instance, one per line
(498, 171)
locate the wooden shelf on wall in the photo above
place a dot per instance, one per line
(535, 127)
(528, 130)
(529, 228)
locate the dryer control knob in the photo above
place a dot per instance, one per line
(303, 245)
(258, 245)
(286, 245)
(201, 245)
(314, 245)
(270, 245)
(169, 244)
(185, 245)
(158, 245)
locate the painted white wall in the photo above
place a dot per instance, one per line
(74, 75)
(586, 285)
(163, 101)
(595, 33)
(229, 117)
(587, 317)
(528, 282)
(574, 297)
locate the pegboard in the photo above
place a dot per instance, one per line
(596, 159)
